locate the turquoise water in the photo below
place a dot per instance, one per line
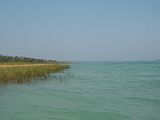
(87, 91)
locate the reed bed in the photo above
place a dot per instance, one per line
(26, 72)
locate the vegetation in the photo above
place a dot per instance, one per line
(25, 73)
(11, 59)
(22, 69)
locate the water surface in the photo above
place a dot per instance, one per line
(87, 91)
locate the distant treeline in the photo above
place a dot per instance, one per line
(23, 59)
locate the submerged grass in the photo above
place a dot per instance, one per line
(26, 72)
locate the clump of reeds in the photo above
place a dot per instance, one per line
(21, 74)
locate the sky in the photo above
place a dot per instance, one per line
(81, 29)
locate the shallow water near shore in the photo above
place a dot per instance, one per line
(87, 91)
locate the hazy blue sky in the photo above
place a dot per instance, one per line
(81, 29)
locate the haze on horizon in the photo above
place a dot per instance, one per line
(81, 30)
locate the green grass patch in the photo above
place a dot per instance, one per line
(22, 74)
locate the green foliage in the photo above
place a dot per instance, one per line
(23, 59)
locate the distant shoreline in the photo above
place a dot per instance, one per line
(23, 69)
(22, 65)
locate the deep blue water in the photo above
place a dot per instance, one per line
(87, 91)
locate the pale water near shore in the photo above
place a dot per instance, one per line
(87, 91)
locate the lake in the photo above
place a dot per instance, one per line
(87, 91)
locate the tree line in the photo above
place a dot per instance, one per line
(23, 59)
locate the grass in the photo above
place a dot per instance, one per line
(21, 73)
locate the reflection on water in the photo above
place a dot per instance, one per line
(61, 77)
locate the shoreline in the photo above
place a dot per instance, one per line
(25, 65)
